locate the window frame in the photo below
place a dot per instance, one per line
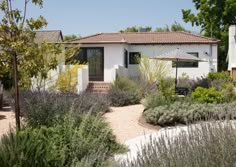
(194, 64)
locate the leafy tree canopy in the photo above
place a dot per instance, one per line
(136, 29)
(173, 28)
(17, 34)
(214, 17)
(70, 37)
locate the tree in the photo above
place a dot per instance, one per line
(174, 27)
(18, 49)
(70, 37)
(137, 29)
(214, 17)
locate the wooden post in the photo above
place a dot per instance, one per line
(16, 86)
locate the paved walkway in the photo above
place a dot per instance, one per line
(7, 121)
(124, 122)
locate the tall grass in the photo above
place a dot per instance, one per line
(209, 144)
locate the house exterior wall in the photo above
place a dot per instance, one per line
(206, 52)
(114, 58)
(232, 48)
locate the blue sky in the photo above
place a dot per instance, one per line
(87, 17)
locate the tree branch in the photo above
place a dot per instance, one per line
(25, 7)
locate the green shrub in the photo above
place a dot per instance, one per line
(204, 95)
(68, 143)
(125, 84)
(124, 92)
(165, 94)
(43, 108)
(120, 97)
(28, 148)
(206, 144)
(228, 92)
(219, 76)
(184, 113)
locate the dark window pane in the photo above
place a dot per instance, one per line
(126, 59)
(134, 57)
(187, 64)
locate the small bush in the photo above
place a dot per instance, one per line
(44, 108)
(165, 94)
(228, 92)
(189, 112)
(68, 143)
(124, 92)
(120, 97)
(28, 148)
(219, 76)
(125, 84)
(204, 95)
(206, 144)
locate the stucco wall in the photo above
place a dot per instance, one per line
(209, 64)
(114, 57)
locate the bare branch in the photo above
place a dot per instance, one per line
(25, 7)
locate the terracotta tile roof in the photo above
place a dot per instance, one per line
(146, 38)
(53, 36)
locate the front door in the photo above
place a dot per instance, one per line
(95, 58)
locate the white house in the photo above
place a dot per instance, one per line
(231, 58)
(110, 54)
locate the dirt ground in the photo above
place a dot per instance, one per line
(7, 121)
(126, 124)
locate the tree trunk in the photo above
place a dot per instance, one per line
(17, 105)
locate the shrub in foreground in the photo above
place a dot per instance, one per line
(184, 113)
(205, 144)
(43, 108)
(89, 142)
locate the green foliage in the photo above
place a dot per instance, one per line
(165, 94)
(17, 34)
(205, 144)
(173, 28)
(70, 37)
(212, 24)
(28, 147)
(124, 92)
(125, 84)
(185, 112)
(136, 29)
(68, 143)
(68, 79)
(119, 97)
(44, 108)
(209, 95)
(219, 76)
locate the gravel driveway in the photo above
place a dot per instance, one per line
(7, 121)
(125, 124)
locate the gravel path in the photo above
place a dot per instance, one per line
(124, 122)
(7, 121)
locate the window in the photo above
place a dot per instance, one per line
(126, 59)
(134, 57)
(187, 64)
(80, 56)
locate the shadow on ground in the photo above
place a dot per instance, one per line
(2, 117)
